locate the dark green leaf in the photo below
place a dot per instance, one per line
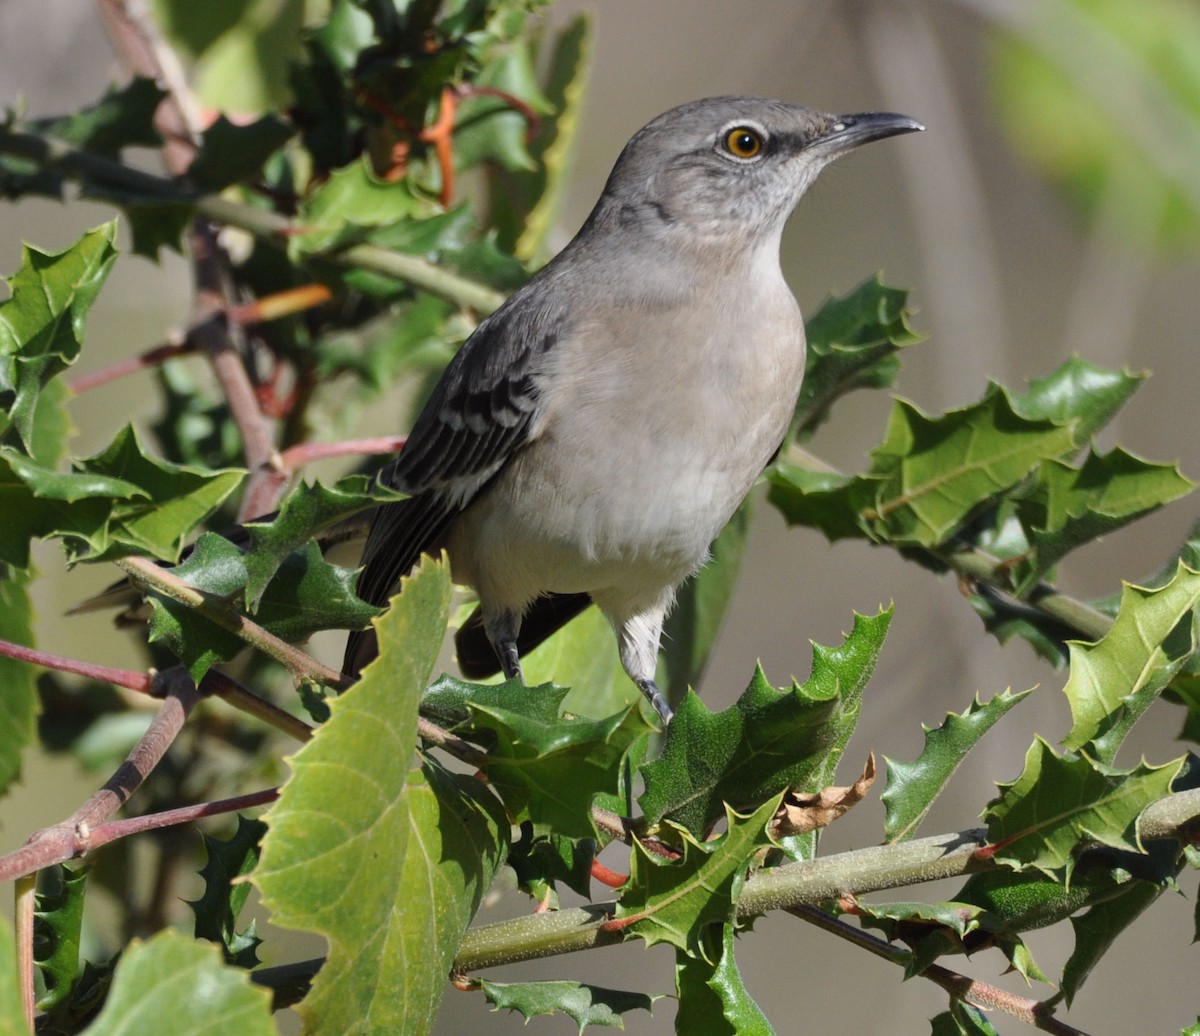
(547, 768)
(1115, 680)
(767, 741)
(304, 512)
(18, 717)
(173, 499)
(123, 118)
(57, 925)
(1060, 803)
(217, 909)
(1070, 506)
(676, 901)
(585, 1005)
(713, 999)
(852, 343)
(1098, 929)
(173, 977)
(541, 861)
(912, 787)
(389, 862)
(42, 323)
(1079, 394)
(230, 153)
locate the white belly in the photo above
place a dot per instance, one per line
(636, 464)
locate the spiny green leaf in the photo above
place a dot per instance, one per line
(123, 117)
(387, 861)
(713, 999)
(231, 153)
(541, 861)
(217, 909)
(767, 741)
(1097, 930)
(173, 977)
(676, 901)
(18, 717)
(304, 512)
(42, 323)
(1115, 680)
(306, 594)
(1060, 803)
(912, 787)
(1071, 506)
(1078, 394)
(173, 499)
(962, 1019)
(57, 924)
(928, 476)
(547, 768)
(936, 471)
(852, 343)
(488, 128)
(585, 1005)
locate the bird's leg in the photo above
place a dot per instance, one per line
(638, 637)
(655, 697)
(502, 632)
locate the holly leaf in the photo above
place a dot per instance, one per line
(18, 717)
(123, 117)
(912, 787)
(1097, 930)
(584, 1004)
(57, 928)
(390, 861)
(1078, 394)
(42, 322)
(230, 152)
(928, 476)
(1060, 803)
(217, 909)
(540, 861)
(1114, 680)
(172, 500)
(766, 741)
(215, 567)
(962, 1019)
(172, 976)
(549, 767)
(674, 902)
(1071, 506)
(852, 343)
(713, 999)
(304, 513)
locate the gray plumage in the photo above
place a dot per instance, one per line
(597, 431)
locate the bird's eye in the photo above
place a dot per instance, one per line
(743, 142)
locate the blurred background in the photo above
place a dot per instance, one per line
(1052, 208)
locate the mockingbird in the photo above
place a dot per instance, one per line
(598, 430)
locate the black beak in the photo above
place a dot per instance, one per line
(849, 131)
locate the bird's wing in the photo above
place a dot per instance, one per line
(481, 412)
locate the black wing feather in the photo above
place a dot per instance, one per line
(479, 415)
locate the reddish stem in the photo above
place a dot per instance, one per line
(607, 876)
(133, 680)
(114, 829)
(150, 358)
(307, 452)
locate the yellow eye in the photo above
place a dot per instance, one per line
(743, 142)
